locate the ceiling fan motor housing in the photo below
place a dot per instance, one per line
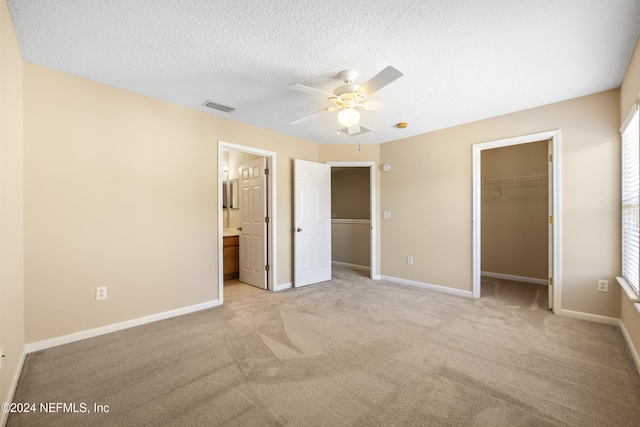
(348, 88)
(348, 76)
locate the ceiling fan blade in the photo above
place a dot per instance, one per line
(380, 80)
(353, 129)
(308, 116)
(312, 91)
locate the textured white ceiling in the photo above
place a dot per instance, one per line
(463, 60)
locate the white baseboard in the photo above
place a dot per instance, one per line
(282, 287)
(606, 320)
(353, 266)
(90, 333)
(4, 416)
(430, 287)
(515, 278)
(632, 348)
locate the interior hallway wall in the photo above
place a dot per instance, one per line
(350, 193)
(351, 214)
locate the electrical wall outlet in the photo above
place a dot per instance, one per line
(410, 260)
(603, 285)
(386, 214)
(101, 293)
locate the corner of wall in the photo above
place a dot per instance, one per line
(12, 337)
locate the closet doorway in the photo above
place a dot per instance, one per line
(515, 212)
(353, 219)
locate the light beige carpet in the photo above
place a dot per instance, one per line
(350, 352)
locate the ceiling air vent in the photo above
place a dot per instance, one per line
(217, 106)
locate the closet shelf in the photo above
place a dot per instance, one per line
(497, 182)
(514, 179)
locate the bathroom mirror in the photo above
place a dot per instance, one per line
(232, 194)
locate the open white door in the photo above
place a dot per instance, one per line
(312, 222)
(253, 225)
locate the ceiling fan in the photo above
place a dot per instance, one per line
(349, 97)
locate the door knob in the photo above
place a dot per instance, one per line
(298, 229)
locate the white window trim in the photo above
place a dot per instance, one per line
(630, 280)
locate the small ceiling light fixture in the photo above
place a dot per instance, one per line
(348, 117)
(402, 125)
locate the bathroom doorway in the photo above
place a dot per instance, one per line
(240, 201)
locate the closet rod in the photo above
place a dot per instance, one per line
(514, 179)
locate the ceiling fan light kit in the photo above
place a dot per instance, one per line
(348, 97)
(348, 117)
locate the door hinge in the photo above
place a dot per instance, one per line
(551, 281)
(267, 267)
(551, 219)
(266, 219)
(266, 171)
(551, 157)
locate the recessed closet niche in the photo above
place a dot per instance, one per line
(515, 212)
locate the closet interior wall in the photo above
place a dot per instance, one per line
(515, 211)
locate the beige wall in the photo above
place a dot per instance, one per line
(350, 193)
(121, 191)
(629, 93)
(429, 192)
(351, 242)
(11, 210)
(515, 214)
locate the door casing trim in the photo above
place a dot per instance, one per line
(554, 136)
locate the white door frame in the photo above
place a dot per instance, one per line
(372, 208)
(272, 255)
(554, 136)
